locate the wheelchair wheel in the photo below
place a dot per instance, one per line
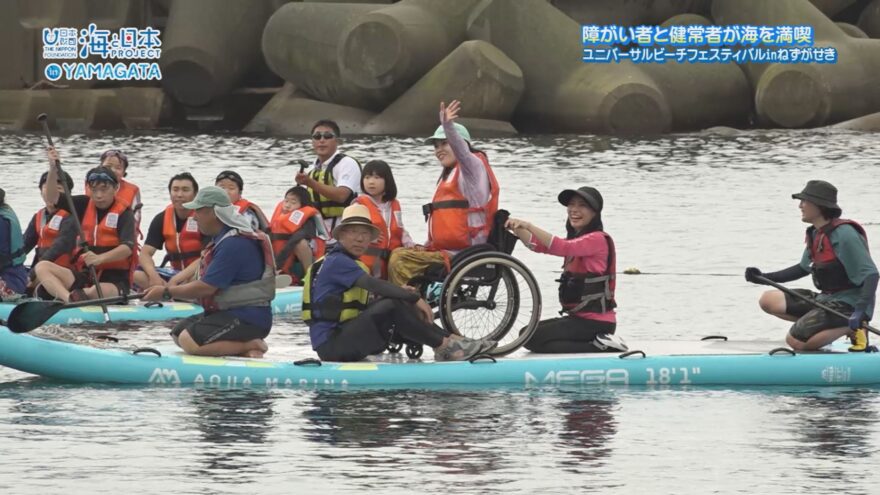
(491, 296)
(394, 347)
(414, 351)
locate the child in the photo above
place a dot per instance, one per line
(233, 184)
(380, 198)
(297, 233)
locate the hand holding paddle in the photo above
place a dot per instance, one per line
(760, 279)
(43, 120)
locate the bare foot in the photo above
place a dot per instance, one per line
(252, 354)
(258, 345)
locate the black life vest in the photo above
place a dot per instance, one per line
(587, 291)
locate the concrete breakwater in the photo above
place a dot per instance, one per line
(381, 67)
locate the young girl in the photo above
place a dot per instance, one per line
(297, 233)
(233, 184)
(380, 198)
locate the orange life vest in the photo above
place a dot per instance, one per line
(104, 236)
(447, 213)
(283, 226)
(128, 194)
(182, 247)
(242, 205)
(47, 231)
(390, 236)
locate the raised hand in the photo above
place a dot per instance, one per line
(53, 155)
(449, 113)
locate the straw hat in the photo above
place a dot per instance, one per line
(356, 214)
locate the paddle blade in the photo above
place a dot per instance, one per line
(29, 315)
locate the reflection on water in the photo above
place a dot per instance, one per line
(233, 424)
(831, 429)
(695, 203)
(589, 428)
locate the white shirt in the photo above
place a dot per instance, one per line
(346, 173)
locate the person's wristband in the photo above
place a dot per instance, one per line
(166, 294)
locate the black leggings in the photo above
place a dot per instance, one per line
(370, 332)
(568, 334)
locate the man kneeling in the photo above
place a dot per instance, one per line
(235, 284)
(343, 327)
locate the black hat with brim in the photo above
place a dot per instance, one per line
(819, 193)
(590, 194)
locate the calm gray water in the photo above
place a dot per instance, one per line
(704, 206)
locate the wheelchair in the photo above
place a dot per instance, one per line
(486, 294)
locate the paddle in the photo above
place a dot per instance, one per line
(817, 304)
(29, 315)
(43, 120)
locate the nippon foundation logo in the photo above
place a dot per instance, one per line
(130, 54)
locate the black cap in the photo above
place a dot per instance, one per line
(65, 175)
(819, 193)
(233, 176)
(590, 194)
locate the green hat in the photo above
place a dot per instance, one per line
(208, 196)
(440, 134)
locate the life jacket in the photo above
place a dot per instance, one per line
(333, 307)
(257, 293)
(129, 195)
(47, 231)
(283, 226)
(588, 292)
(447, 213)
(324, 175)
(183, 247)
(828, 272)
(390, 236)
(16, 254)
(104, 236)
(243, 205)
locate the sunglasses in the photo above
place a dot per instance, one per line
(323, 135)
(101, 177)
(228, 175)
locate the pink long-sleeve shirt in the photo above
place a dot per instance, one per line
(590, 253)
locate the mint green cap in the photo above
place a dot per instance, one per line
(208, 196)
(441, 134)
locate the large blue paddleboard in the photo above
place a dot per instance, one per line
(287, 301)
(663, 364)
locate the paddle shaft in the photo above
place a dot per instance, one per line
(815, 303)
(83, 244)
(104, 301)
